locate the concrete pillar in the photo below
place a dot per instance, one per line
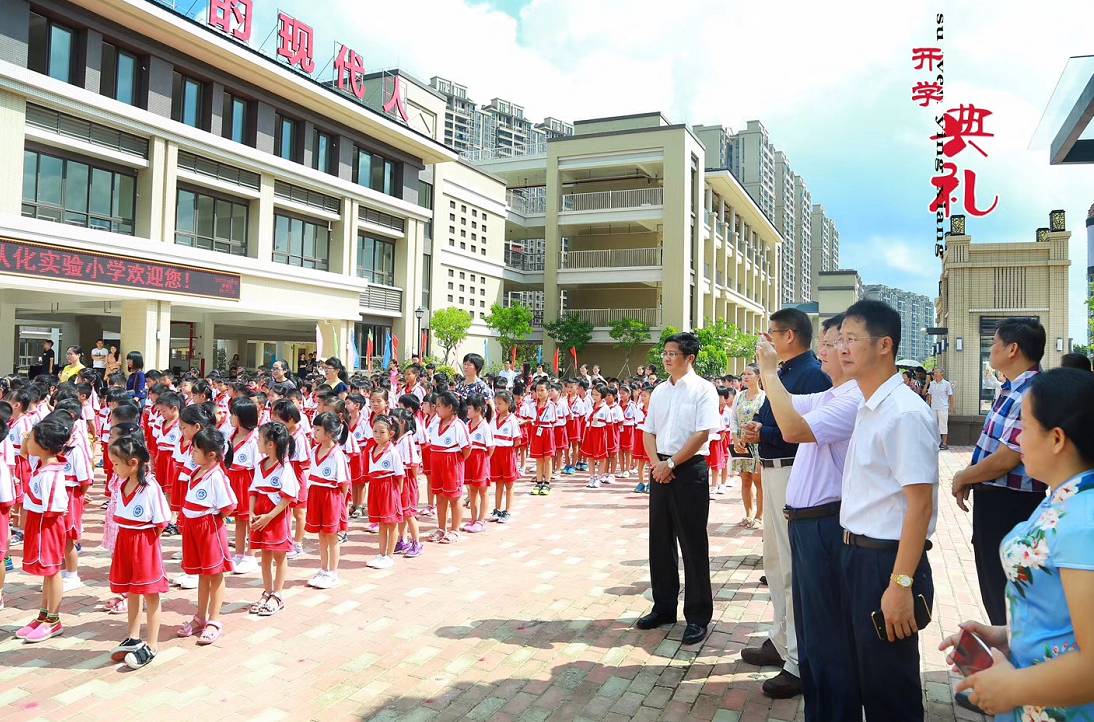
(206, 342)
(146, 327)
(8, 341)
(260, 222)
(13, 109)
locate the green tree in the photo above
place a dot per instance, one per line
(513, 324)
(569, 332)
(653, 358)
(1080, 348)
(449, 326)
(628, 334)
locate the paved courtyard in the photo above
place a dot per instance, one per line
(529, 621)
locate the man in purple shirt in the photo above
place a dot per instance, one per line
(822, 424)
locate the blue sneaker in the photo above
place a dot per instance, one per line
(9, 565)
(582, 466)
(569, 471)
(639, 488)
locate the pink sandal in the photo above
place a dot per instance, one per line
(211, 633)
(190, 628)
(117, 605)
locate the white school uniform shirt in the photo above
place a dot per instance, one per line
(331, 470)
(7, 483)
(185, 460)
(894, 444)
(421, 437)
(169, 438)
(617, 414)
(528, 408)
(77, 468)
(104, 423)
(544, 418)
(408, 450)
(455, 437)
(245, 454)
(278, 484)
(208, 494)
(7, 453)
(387, 463)
(562, 411)
(301, 446)
(18, 430)
(362, 432)
(678, 410)
(46, 491)
(146, 509)
(629, 415)
(350, 446)
(482, 436)
(507, 432)
(601, 416)
(304, 424)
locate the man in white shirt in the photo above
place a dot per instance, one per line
(508, 374)
(890, 504)
(941, 394)
(682, 413)
(98, 358)
(821, 423)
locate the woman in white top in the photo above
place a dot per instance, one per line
(747, 459)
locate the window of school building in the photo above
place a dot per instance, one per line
(215, 223)
(78, 192)
(50, 48)
(188, 101)
(376, 259)
(302, 243)
(236, 119)
(119, 76)
(376, 172)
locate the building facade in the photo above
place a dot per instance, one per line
(752, 161)
(170, 187)
(804, 249)
(463, 121)
(624, 220)
(786, 215)
(916, 315)
(824, 245)
(984, 283)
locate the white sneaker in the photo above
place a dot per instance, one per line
(188, 581)
(556, 476)
(375, 562)
(625, 475)
(317, 579)
(71, 582)
(245, 565)
(177, 555)
(327, 580)
(384, 563)
(608, 479)
(594, 483)
(297, 551)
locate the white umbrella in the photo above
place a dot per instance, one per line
(908, 362)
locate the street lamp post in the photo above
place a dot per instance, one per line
(419, 313)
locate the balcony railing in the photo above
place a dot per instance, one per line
(485, 154)
(526, 205)
(708, 218)
(384, 298)
(537, 313)
(609, 258)
(604, 317)
(721, 228)
(529, 262)
(612, 200)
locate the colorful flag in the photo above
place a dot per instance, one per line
(386, 362)
(573, 352)
(354, 356)
(513, 357)
(556, 360)
(395, 349)
(318, 342)
(370, 350)
(539, 356)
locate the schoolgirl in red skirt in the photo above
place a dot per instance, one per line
(450, 446)
(612, 435)
(719, 447)
(273, 491)
(477, 469)
(19, 427)
(524, 406)
(244, 459)
(140, 512)
(360, 428)
(328, 484)
(386, 477)
(205, 551)
(78, 477)
(45, 501)
(542, 444)
(7, 498)
(168, 406)
(626, 430)
(638, 448)
(594, 446)
(422, 421)
(503, 462)
(192, 419)
(560, 461)
(408, 544)
(299, 457)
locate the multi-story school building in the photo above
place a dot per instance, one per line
(172, 188)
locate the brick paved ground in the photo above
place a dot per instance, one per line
(530, 621)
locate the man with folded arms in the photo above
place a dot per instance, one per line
(890, 502)
(821, 424)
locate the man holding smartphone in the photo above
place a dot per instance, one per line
(890, 490)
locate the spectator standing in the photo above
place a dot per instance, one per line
(74, 366)
(48, 359)
(941, 395)
(791, 333)
(681, 416)
(471, 384)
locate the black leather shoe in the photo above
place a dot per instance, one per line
(693, 634)
(652, 621)
(782, 686)
(763, 580)
(763, 656)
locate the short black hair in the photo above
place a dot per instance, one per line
(880, 319)
(135, 359)
(686, 341)
(476, 360)
(1027, 333)
(1064, 398)
(1075, 361)
(833, 322)
(797, 321)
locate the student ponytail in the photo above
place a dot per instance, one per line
(331, 424)
(246, 411)
(131, 446)
(477, 402)
(285, 411)
(211, 441)
(278, 434)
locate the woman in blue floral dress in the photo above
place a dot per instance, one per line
(1044, 658)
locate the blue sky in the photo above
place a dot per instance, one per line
(831, 86)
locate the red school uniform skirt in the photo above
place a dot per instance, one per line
(301, 469)
(205, 549)
(74, 516)
(357, 469)
(447, 473)
(503, 465)
(327, 513)
(136, 566)
(638, 446)
(385, 502)
(716, 458)
(108, 469)
(525, 436)
(166, 474)
(594, 445)
(542, 445)
(44, 543)
(626, 438)
(275, 536)
(476, 469)
(409, 497)
(573, 429)
(177, 495)
(611, 438)
(240, 481)
(5, 528)
(561, 438)
(21, 477)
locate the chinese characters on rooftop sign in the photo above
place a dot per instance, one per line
(23, 258)
(296, 48)
(959, 127)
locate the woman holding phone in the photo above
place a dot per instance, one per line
(746, 457)
(1042, 665)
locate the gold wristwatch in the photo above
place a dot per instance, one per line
(902, 580)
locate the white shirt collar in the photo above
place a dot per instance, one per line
(884, 391)
(683, 379)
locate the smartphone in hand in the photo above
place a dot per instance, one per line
(971, 654)
(922, 618)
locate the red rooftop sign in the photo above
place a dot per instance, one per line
(39, 260)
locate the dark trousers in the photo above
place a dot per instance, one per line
(825, 657)
(995, 511)
(678, 514)
(888, 672)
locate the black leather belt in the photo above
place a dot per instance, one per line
(812, 512)
(692, 460)
(777, 463)
(865, 542)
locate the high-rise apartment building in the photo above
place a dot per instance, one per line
(463, 121)
(806, 278)
(916, 314)
(786, 214)
(824, 244)
(753, 159)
